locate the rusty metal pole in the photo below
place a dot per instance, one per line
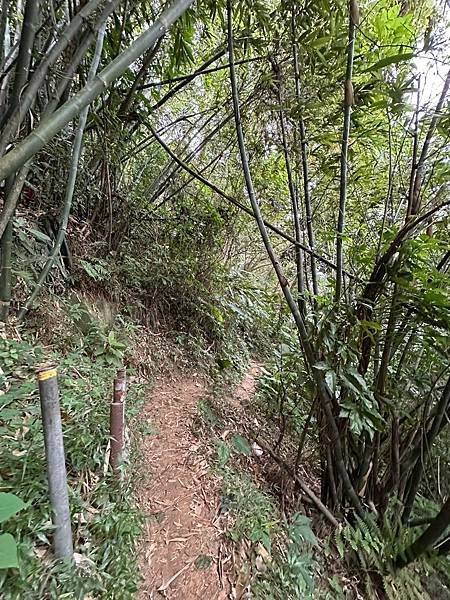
(117, 420)
(56, 466)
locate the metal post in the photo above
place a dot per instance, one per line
(56, 466)
(117, 420)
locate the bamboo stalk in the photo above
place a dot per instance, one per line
(305, 166)
(418, 457)
(149, 56)
(241, 206)
(200, 71)
(294, 204)
(3, 26)
(86, 41)
(28, 33)
(19, 110)
(303, 486)
(418, 169)
(193, 153)
(74, 160)
(188, 79)
(10, 203)
(5, 271)
(348, 102)
(29, 27)
(65, 80)
(428, 538)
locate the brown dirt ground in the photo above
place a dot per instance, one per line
(180, 500)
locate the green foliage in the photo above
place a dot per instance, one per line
(8, 551)
(252, 510)
(241, 445)
(106, 347)
(207, 413)
(370, 550)
(9, 506)
(284, 386)
(105, 521)
(290, 573)
(97, 269)
(182, 260)
(99, 339)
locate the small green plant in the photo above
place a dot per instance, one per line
(97, 269)
(98, 337)
(289, 574)
(370, 549)
(106, 347)
(207, 413)
(255, 517)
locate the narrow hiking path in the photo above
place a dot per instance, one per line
(180, 550)
(182, 547)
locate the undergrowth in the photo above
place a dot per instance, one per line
(106, 523)
(277, 561)
(367, 549)
(283, 559)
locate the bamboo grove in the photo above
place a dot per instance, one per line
(316, 129)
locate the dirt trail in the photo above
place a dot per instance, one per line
(181, 547)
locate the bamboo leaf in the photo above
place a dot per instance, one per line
(390, 60)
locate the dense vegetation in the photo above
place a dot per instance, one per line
(248, 178)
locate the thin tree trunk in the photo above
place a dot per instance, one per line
(238, 204)
(428, 538)
(3, 25)
(419, 453)
(11, 199)
(197, 73)
(305, 489)
(18, 111)
(12, 191)
(195, 152)
(149, 56)
(185, 81)
(294, 204)
(65, 80)
(378, 277)
(348, 102)
(87, 40)
(29, 27)
(5, 271)
(415, 150)
(387, 348)
(305, 167)
(388, 198)
(443, 262)
(73, 170)
(414, 200)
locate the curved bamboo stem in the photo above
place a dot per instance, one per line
(348, 102)
(74, 160)
(12, 191)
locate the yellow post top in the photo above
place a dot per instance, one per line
(46, 372)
